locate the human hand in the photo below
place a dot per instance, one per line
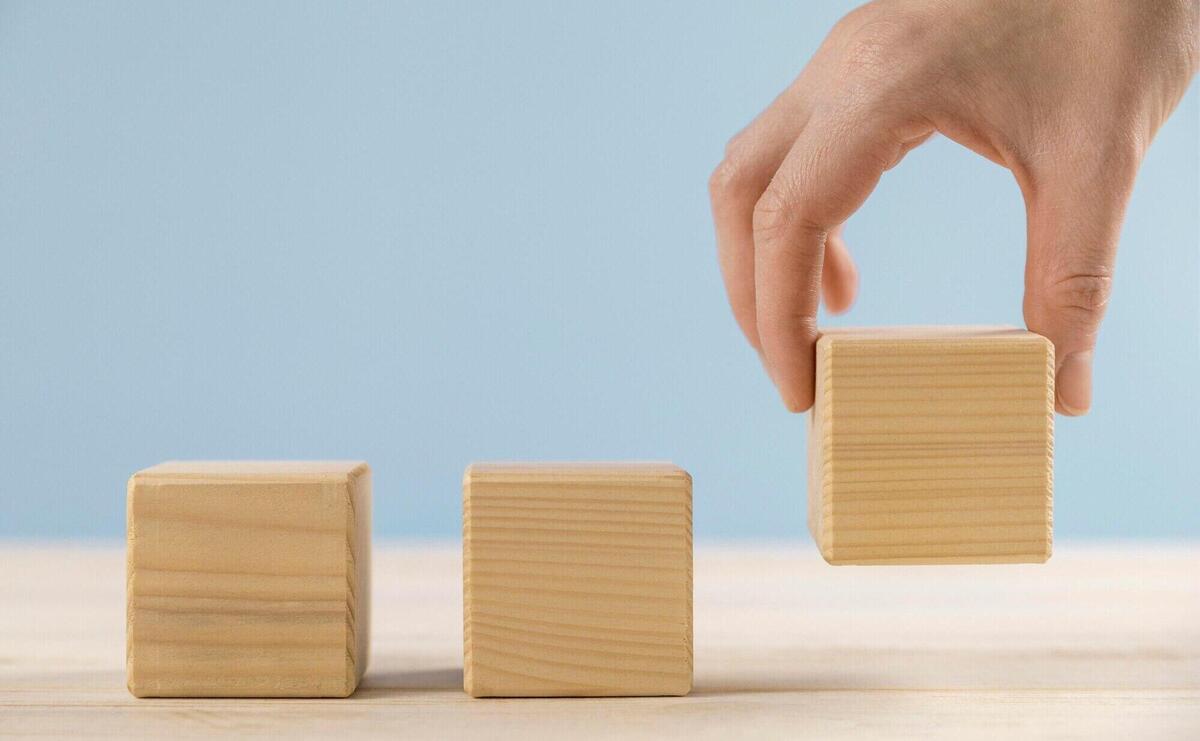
(1065, 94)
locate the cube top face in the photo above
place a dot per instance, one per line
(637, 473)
(311, 471)
(932, 445)
(577, 580)
(248, 579)
(976, 335)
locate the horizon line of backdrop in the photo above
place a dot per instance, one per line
(426, 234)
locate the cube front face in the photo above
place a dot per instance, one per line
(932, 445)
(577, 580)
(248, 579)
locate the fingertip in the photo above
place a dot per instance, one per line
(840, 297)
(839, 275)
(795, 404)
(792, 377)
(794, 383)
(1073, 384)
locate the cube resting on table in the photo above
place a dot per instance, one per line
(248, 579)
(932, 445)
(577, 580)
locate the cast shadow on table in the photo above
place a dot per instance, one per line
(768, 683)
(392, 682)
(389, 680)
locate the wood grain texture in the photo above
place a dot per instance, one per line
(1102, 642)
(577, 580)
(248, 579)
(932, 445)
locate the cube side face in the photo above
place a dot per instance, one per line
(239, 588)
(936, 450)
(577, 586)
(358, 573)
(819, 452)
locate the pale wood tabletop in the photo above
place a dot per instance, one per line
(1101, 642)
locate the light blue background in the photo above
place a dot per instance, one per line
(427, 234)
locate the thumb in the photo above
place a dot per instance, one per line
(1074, 222)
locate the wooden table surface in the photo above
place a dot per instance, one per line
(1101, 642)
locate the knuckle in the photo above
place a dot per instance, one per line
(730, 179)
(878, 37)
(771, 213)
(856, 18)
(738, 147)
(779, 214)
(1082, 292)
(866, 51)
(1074, 303)
(887, 54)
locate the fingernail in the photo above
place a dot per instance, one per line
(1073, 383)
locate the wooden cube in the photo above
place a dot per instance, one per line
(577, 580)
(248, 579)
(932, 445)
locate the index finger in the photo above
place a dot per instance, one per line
(830, 170)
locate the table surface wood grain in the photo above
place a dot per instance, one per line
(1101, 642)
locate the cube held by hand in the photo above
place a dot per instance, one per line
(932, 445)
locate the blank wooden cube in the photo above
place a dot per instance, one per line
(248, 579)
(932, 445)
(577, 580)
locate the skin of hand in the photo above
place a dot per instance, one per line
(1067, 94)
